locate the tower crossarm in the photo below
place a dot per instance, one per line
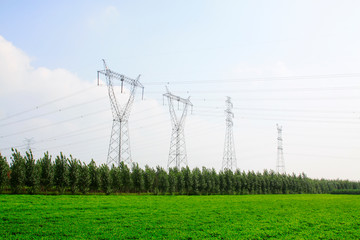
(177, 98)
(117, 79)
(121, 78)
(177, 122)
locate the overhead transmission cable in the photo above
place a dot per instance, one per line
(52, 112)
(71, 134)
(274, 78)
(56, 123)
(47, 103)
(334, 88)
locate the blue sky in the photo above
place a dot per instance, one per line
(193, 35)
(258, 52)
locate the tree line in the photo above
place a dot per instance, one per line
(69, 175)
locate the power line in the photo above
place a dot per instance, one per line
(282, 99)
(88, 129)
(93, 139)
(335, 88)
(78, 142)
(282, 110)
(302, 117)
(57, 123)
(251, 79)
(81, 141)
(52, 112)
(322, 156)
(47, 103)
(305, 117)
(296, 120)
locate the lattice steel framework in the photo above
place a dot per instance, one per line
(177, 152)
(229, 158)
(280, 163)
(119, 146)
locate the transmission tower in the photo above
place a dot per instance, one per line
(229, 158)
(28, 142)
(177, 153)
(280, 164)
(119, 146)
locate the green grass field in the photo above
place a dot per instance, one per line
(185, 217)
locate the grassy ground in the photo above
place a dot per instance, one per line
(186, 217)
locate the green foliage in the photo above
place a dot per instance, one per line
(32, 176)
(181, 217)
(229, 182)
(149, 178)
(105, 180)
(17, 176)
(206, 181)
(222, 182)
(94, 176)
(346, 191)
(4, 170)
(84, 178)
(125, 177)
(47, 172)
(186, 172)
(195, 181)
(215, 181)
(137, 177)
(115, 176)
(74, 172)
(61, 175)
(70, 174)
(180, 183)
(172, 180)
(162, 179)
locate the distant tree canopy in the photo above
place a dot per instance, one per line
(4, 173)
(71, 176)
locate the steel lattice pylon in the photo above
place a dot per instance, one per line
(119, 146)
(280, 163)
(229, 158)
(177, 152)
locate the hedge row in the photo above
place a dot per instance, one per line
(346, 191)
(69, 175)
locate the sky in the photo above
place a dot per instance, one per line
(292, 63)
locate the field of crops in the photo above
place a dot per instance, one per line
(185, 217)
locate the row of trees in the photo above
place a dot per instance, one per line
(67, 174)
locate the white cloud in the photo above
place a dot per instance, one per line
(14, 67)
(17, 76)
(25, 89)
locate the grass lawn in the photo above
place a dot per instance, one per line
(185, 217)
